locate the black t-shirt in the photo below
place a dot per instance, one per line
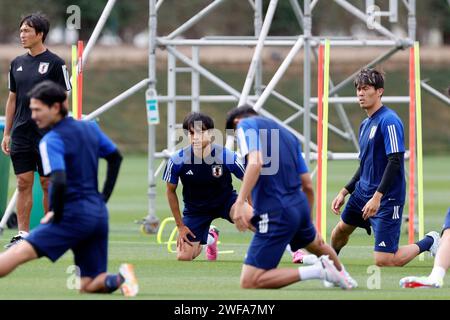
(25, 72)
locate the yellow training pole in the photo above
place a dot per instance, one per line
(74, 82)
(324, 155)
(419, 143)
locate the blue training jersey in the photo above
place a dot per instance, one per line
(279, 185)
(207, 183)
(75, 147)
(380, 135)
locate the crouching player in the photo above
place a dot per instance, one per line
(78, 219)
(205, 171)
(282, 195)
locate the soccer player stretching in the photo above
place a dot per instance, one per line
(441, 262)
(78, 219)
(378, 187)
(282, 195)
(205, 172)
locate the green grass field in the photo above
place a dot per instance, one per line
(162, 277)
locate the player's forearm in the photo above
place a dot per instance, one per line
(251, 176)
(57, 195)
(391, 171)
(114, 162)
(350, 186)
(9, 114)
(175, 207)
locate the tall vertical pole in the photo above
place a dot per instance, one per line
(258, 26)
(319, 138)
(307, 23)
(151, 219)
(412, 146)
(419, 142)
(195, 81)
(412, 20)
(171, 104)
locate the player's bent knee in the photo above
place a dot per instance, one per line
(24, 184)
(184, 256)
(385, 262)
(248, 283)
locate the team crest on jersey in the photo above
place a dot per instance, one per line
(372, 132)
(43, 67)
(217, 171)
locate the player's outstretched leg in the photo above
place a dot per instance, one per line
(125, 280)
(441, 265)
(319, 247)
(16, 255)
(407, 253)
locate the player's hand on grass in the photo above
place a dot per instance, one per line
(5, 145)
(48, 217)
(183, 233)
(371, 207)
(337, 203)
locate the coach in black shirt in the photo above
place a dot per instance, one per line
(21, 135)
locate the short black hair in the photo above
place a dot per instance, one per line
(243, 111)
(193, 117)
(370, 77)
(37, 21)
(49, 93)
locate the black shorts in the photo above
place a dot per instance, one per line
(25, 155)
(27, 161)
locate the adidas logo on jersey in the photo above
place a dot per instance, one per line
(190, 173)
(19, 68)
(382, 244)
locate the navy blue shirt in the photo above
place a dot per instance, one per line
(380, 135)
(75, 147)
(279, 185)
(207, 183)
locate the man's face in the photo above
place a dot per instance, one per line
(42, 114)
(199, 138)
(368, 96)
(28, 36)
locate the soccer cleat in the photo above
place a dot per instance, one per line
(211, 249)
(352, 282)
(420, 282)
(302, 257)
(298, 255)
(14, 240)
(129, 287)
(331, 274)
(436, 239)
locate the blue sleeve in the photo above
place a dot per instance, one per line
(172, 171)
(301, 165)
(361, 128)
(234, 164)
(51, 149)
(106, 146)
(393, 135)
(248, 136)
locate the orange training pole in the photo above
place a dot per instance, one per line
(319, 138)
(80, 79)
